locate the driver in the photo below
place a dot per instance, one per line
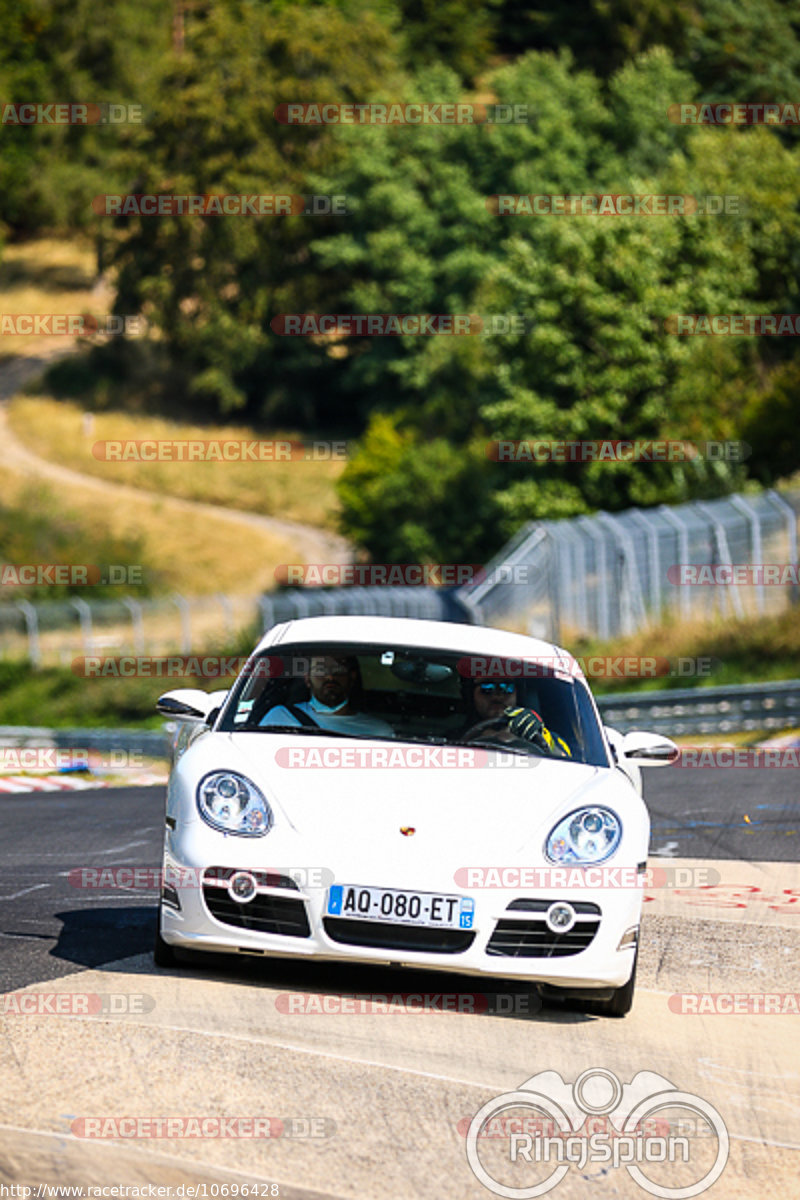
(332, 680)
(498, 703)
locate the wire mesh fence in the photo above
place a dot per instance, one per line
(609, 575)
(602, 575)
(53, 634)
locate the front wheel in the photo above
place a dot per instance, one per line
(163, 953)
(621, 1002)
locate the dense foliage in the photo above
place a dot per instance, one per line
(590, 353)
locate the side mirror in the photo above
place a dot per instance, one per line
(649, 749)
(187, 704)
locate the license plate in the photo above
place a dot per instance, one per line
(400, 908)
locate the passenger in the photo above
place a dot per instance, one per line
(333, 681)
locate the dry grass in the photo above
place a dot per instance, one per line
(296, 490)
(759, 649)
(191, 553)
(45, 277)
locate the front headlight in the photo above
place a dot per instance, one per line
(232, 803)
(590, 835)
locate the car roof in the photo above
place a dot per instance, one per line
(430, 635)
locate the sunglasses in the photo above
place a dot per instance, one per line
(488, 689)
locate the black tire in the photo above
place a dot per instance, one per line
(163, 953)
(621, 1003)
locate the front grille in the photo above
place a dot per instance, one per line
(384, 936)
(265, 913)
(533, 939)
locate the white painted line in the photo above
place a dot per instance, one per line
(24, 892)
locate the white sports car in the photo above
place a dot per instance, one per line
(377, 789)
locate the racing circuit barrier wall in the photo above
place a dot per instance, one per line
(605, 576)
(56, 633)
(426, 603)
(608, 575)
(680, 711)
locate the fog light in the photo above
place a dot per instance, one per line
(629, 938)
(242, 887)
(560, 918)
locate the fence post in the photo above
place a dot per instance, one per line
(603, 615)
(655, 562)
(724, 556)
(186, 622)
(791, 530)
(135, 609)
(683, 551)
(85, 614)
(227, 608)
(756, 552)
(32, 626)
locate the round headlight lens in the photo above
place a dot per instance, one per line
(590, 835)
(232, 803)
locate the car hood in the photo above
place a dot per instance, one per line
(500, 808)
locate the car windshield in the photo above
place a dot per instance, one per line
(401, 693)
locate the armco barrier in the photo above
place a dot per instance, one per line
(425, 603)
(736, 709)
(154, 743)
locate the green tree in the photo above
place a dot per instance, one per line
(60, 51)
(212, 284)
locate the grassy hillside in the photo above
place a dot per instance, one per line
(296, 490)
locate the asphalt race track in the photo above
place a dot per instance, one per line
(377, 1104)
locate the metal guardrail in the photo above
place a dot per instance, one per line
(681, 711)
(154, 743)
(736, 709)
(425, 603)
